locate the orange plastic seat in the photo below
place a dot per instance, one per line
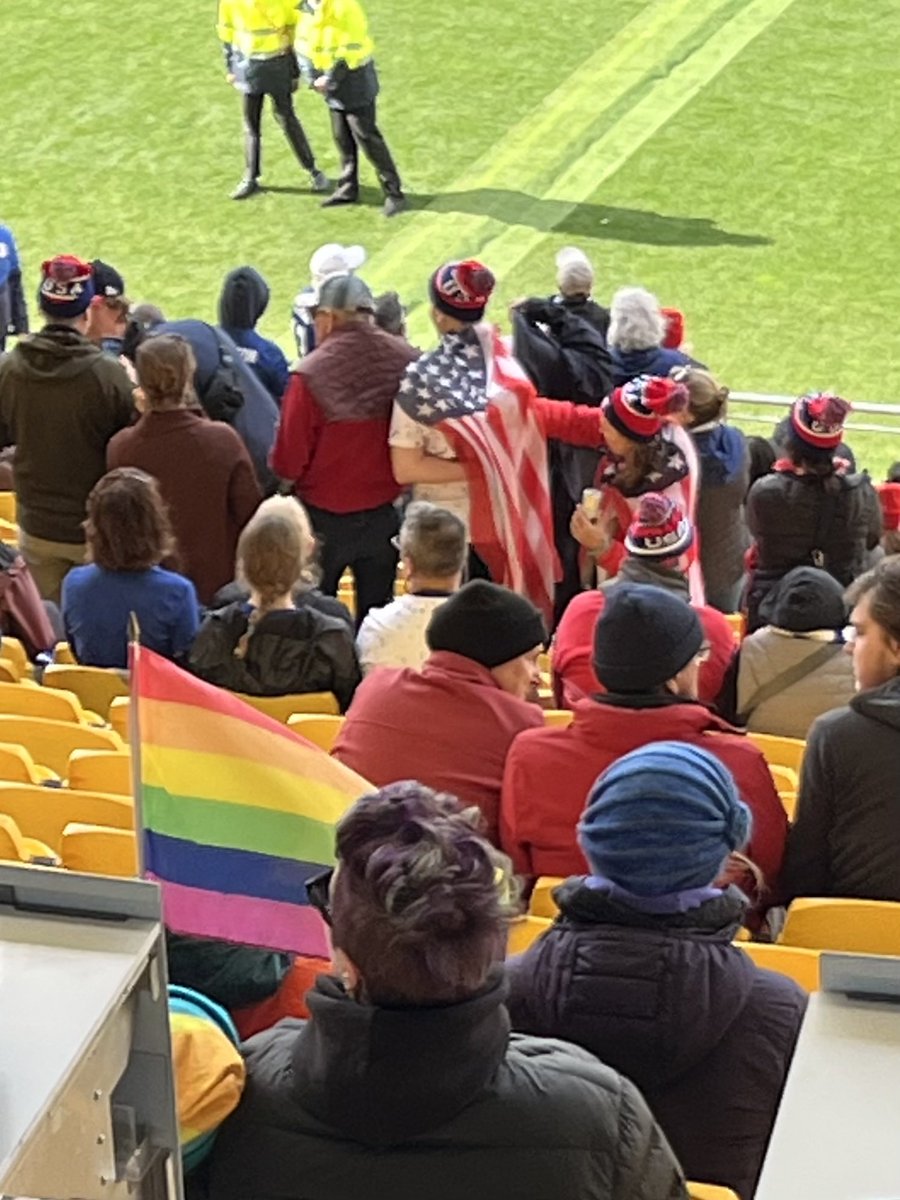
(542, 903)
(558, 718)
(99, 850)
(95, 687)
(852, 926)
(282, 708)
(800, 965)
(321, 729)
(523, 931)
(15, 847)
(17, 766)
(51, 742)
(45, 702)
(43, 813)
(106, 771)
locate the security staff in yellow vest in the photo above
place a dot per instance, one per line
(335, 52)
(258, 40)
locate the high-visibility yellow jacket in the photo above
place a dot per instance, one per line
(258, 28)
(334, 31)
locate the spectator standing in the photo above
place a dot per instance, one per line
(332, 441)
(325, 261)
(407, 1082)
(889, 498)
(433, 546)
(204, 472)
(244, 300)
(655, 546)
(109, 309)
(794, 668)
(809, 511)
(636, 336)
(61, 400)
(648, 650)
(128, 535)
(575, 281)
(268, 646)
(724, 480)
(13, 309)
(451, 725)
(845, 840)
(649, 933)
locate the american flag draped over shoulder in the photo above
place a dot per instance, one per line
(475, 393)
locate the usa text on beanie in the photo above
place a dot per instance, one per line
(659, 530)
(663, 819)
(487, 623)
(637, 410)
(644, 637)
(67, 287)
(462, 289)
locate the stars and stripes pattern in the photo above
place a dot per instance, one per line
(474, 392)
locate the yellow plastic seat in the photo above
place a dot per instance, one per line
(106, 771)
(852, 926)
(9, 672)
(738, 625)
(780, 751)
(62, 653)
(43, 813)
(99, 850)
(119, 717)
(17, 766)
(44, 702)
(15, 847)
(788, 803)
(542, 903)
(800, 965)
(523, 931)
(282, 708)
(51, 742)
(784, 778)
(709, 1191)
(8, 507)
(95, 687)
(13, 649)
(321, 729)
(558, 718)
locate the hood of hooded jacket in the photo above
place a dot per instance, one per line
(244, 299)
(880, 704)
(723, 453)
(56, 353)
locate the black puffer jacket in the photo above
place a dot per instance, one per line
(783, 514)
(673, 1005)
(289, 651)
(433, 1102)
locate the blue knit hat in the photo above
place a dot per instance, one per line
(663, 819)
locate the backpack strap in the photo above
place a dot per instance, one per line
(826, 515)
(788, 678)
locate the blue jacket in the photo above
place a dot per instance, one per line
(244, 299)
(655, 360)
(13, 313)
(265, 359)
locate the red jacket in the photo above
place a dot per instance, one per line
(573, 650)
(449, 726)
(549, 773)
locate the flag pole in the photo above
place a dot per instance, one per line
(134, 734)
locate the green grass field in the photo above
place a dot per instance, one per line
(736, 156)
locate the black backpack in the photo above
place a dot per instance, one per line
(222, 398)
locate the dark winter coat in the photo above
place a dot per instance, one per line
(655, 360)
(329, 606)
(433, 1104)
(669, 1002)
(288, 652)
(783, 515)
(845, 840)
(724, 477)
(61, 400)
(244, 299)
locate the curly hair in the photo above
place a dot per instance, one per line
(420, 899)
(127, 526)
(635, 321)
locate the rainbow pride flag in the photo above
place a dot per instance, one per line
(237, 811)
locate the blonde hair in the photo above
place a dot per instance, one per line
(291, 508)
(270, 561)
(707, 398)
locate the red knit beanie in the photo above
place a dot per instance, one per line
(639, 408)
(462, 289)
(674, 323)
(818, 419)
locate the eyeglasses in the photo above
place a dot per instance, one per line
(318, 892)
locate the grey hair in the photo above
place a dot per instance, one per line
(434, 540)
(635, 321)
(574, 273)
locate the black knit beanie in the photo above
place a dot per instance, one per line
(805, 599)
(487, 623)
(644, 637)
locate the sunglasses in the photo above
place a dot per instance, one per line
(318, 892)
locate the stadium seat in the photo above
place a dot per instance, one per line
(709, 1191)
(9, 672)
(282, 708)
(106, 771)
(788, 803)
(99, 850)
(542, 903)
(119, 717)
(8, 507)
(319, 728)
(780, 751)
(62, 653)
(800, 965)
(45, 702)
(16, 847)
(738, 625)
(523, 931)
(51, 742)
(13, 649)
(95, 687)
(17, 766)
(784, 778)
(558, 718)
(42, 812)
(851, 926)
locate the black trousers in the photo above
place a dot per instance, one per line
(283, 107)
(355, 131)
(360, 541)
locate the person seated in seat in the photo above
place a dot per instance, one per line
(128, 536)
(639, 968)
(845, 840)
(648, 649)
(268, 646)
(655, 546)
(433, 548)
(451, 724)
(794, 668)
(407, 1082)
